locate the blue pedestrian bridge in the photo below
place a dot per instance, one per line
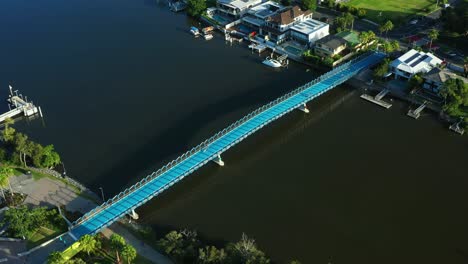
(211, 149)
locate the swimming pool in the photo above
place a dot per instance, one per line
(294, 50)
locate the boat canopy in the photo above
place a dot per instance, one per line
(194, 28)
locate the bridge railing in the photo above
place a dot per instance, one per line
(216, 136)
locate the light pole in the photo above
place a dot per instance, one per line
(102, 193)
(64, 171)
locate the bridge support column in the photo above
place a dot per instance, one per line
(304, 108)
(134, 215)
(219, 161)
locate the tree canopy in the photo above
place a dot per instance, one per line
(196, 8)
(455, 93)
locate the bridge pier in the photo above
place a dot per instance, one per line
(134, 215)
(304, 108)
(219, 161)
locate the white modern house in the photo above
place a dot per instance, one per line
(309, 31)
(257, 15)
(236, 8)
(413, 62)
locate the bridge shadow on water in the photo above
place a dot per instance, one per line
(185, 134)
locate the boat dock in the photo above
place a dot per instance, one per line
(416, 113)
(378, 99)
(19, 105)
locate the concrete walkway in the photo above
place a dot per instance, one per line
(52, 193)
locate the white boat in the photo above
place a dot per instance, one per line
(208, 36)
(272, 62)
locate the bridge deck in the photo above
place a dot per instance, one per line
(151, 186)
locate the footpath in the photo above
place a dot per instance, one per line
(52, 193)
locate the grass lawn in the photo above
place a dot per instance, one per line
(42, 235)
(396, 10)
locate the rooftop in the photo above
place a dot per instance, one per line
(442, 75)
(309, 26)
(350, 36)
(266, 9)
(240, 4)
(332, 41)
(416, 61)
(288, 15)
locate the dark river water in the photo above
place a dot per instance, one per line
(124, 88)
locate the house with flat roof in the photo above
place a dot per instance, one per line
(309, 31)
(257, 15)
(330, 45)
(277, 26)
(413, 62)
(236, 8)
(436, 77)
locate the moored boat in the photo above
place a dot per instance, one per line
(272, 62)
(194, 31)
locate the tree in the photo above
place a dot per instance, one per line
(8, 133)
(195, 8)
(361, 13)
(129, 253)
(331, 3)
(387, 26)
(56, 257)
(50, 158)
(395, 45)
(309, 4)
(117, 243)
(415, 82)
(211, 255)
(89, 244)
(173, 244)
(367, 37)
(433, 35)
(455, 93)
(245, 251)
(5, 174)
(23, 221)
(382, 69)
(20, 142)
(295, 262)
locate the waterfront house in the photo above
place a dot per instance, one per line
(351, 37)
(277, 27)
(309, 31)
(413, 62)
(435, 78)
(330, 46)
(236, 8)
(256, 16)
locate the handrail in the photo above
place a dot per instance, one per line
(216, 136)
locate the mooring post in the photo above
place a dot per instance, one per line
(304, 108)
(218, 160)
(134, 215)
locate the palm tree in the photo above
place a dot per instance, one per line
(129, 253)
(387, 26)
(89, 244)
(433, 35)
(117, 243)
